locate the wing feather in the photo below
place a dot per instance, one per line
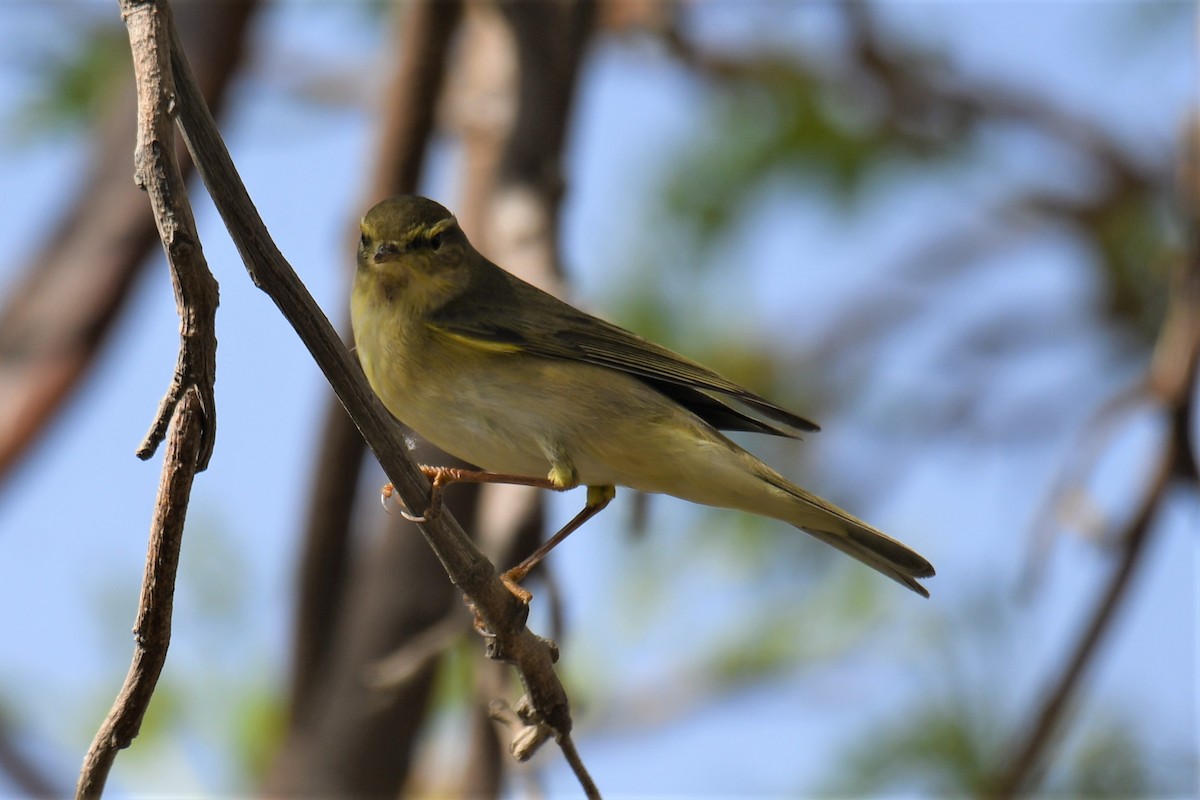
(554, 329)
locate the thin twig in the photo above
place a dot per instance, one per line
(423, 32)
(499, 611)
(152, 631)
(157, 171)
(1065, 494)
(56, 317)
(1028, 761)
(1169, 383)
(581, 774)
(417, 652)
(189, 407)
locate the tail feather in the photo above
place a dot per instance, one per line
(855, 538)
(880, 552)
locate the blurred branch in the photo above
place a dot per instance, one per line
(423, 34)
(918, 94)
(882, 102)
(1170, 384)
(1066, 501)
(187, 410)
(499, 613)
(399, 666)
(345, 736)
(58, 315)
(24, 774)
(512, 107)
(1025, 767)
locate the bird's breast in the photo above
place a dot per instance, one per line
(483, 407)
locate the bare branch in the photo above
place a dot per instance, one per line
(152, 630)
(1170, 384)
(188, 410)
(417, 652)
(423, 34)
(499, 612)
(56, 317)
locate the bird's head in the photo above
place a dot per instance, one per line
(413, 250)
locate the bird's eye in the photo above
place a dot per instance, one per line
(386, 250)
(435, 241)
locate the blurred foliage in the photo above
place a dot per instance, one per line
(951, 749)
(78, 83)
(701, 321)
(811, 128)
(957, 734)
(836, 128)
(1109, 762)
(935, 751)
(833, 129)
(259, 722)
(778, 639)
(1137, 248)
(756, 603)
(454, 683)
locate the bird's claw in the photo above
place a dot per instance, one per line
(389, 490)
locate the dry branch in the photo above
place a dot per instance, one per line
(1170, 385)
(57, 315)
(423, 37)
(152, 631)
(499, 612)
(187, 411)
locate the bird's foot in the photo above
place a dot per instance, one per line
(438, 479)
(512, 581)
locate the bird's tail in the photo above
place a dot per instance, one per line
(852, 536)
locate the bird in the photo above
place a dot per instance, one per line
(532, 390)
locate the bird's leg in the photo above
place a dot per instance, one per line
(440, 477)
(560, 479)
(597, 498)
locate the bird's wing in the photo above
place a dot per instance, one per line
(553, 329)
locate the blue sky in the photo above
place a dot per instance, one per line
(73, 520)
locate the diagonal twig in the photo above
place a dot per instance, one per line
(424, 32)
(1169, 383)
(499, 611)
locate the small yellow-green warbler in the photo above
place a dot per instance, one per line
(509, 378)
